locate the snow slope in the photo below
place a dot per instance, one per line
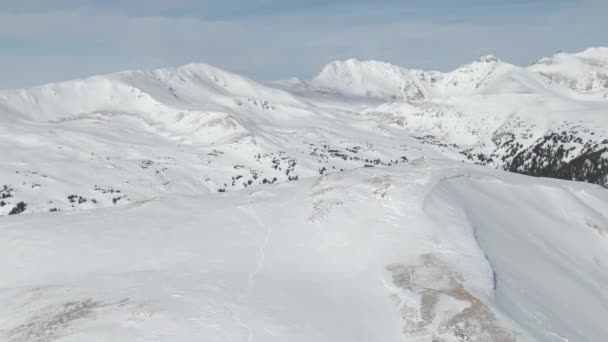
(536, 255)
(420, 252)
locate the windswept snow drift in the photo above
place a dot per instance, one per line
(552, 246)
(192, 203)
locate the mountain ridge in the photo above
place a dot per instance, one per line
(231, 132)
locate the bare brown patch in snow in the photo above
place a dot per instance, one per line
(49, 325)
(322, 208)
(463, 317)
(380, 186)
(53, 322)
(323, 205)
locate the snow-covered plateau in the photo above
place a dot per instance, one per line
(369, 203)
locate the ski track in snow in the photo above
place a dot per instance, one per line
(260, 264)
(250, 209)
(244, 325)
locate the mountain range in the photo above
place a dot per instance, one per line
(370, 202)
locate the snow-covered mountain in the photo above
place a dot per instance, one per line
(585, 72)
(486, 75)
(548, 119)
(192, 203)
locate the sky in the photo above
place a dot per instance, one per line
(44, 41)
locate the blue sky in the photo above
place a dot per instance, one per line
(44, 41)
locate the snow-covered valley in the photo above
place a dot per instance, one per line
(369, 203)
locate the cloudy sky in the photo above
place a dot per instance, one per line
(43, 41)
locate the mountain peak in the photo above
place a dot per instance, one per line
(368, 78)
(600, 53)
(597, 53)
(354, 65)
(487, 59)
(196, 70)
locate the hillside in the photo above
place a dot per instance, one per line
(419, 252)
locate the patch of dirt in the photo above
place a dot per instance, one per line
(432, 281)
(322, 208)
(380, 186)
(54, 322)
(323, 205)
(49, 324)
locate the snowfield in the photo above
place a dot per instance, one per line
(429, 251)
(190, 204)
